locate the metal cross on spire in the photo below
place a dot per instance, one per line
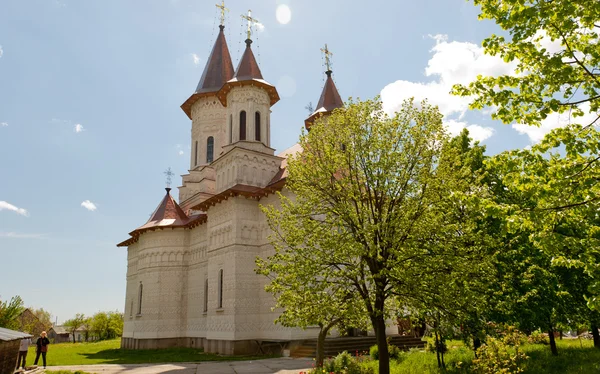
(169, 174)
(250, 22)
(223, 10)
(327, 53)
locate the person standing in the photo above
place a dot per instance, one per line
(42, 347)
(25, 343)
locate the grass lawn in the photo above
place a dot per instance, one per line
(574, 357)
(108, 352)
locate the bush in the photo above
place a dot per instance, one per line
(394, 352)
(342, 363)
(498, 357)
(538, 337)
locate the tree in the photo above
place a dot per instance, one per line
(308, 293)
(107, 325)
(367, 189)
(554, 45)
(74, 324)
(10, 311)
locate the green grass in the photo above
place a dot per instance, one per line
(574, 357)
(108, 352)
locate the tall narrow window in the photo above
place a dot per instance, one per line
(257, 126)
(243, 125)
(140, 299)
(206, 295)
(230, 128)
(221, 288)
(131, 308)
(210, 145)
(196, 154)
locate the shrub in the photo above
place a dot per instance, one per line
(538, 337)
(394, 352)
(498, 357)
(374, 352)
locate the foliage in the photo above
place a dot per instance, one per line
(394, 351)
(537, 337)
(107, 325)
(554, 45)
(109, 352)
(501, 355)
(379, 205)
(74, 324)
(10, 311)
(36, 321)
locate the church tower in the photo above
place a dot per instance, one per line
(209, 122)
(330, 98)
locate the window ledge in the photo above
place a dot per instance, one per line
(138, 315)
(205, 313)
(220, 310)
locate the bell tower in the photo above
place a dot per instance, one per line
(330, 97)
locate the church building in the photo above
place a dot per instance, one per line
(190, 267)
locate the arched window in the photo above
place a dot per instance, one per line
(205, 295)
(131, 308)
(210, 145)
(221, 288)
(257, 126)
(140, 292)
(196, 155)
(230, 128)
(243, 125)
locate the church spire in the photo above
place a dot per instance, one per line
(248, 72)
(330, 98)
(218, 69)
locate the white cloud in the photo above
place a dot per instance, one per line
(5, 205)
(16, 235)
(1, 51)
(89, 205)
(78, 128)
(554, 121)
(259, 26)
(195, 58)
(3, 124)
(181, 153)
(283, 14)
(451, 63)
(477, 132)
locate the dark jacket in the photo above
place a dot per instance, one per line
(42, 344)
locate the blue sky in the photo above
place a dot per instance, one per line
(89, 112)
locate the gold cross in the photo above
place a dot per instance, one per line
(223, 10)
(327, 54)
(250, 22)
(168, 173)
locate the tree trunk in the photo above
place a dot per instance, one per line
(476, 344)
(382, 346)
(73, 337)
(595, 334)
(552, 342)
(320, 356)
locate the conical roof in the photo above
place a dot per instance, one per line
(167, 214)
(248, 73)
(248, 68)
(218, 70)
(330, 99)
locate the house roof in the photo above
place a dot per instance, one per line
(9, 335)
(218, 70)
(60, 330)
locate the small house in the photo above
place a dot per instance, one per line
(58, 334)
(10, 340)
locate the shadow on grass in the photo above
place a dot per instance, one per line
(571, 359)
(157, 356)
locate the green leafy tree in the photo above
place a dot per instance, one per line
(107, 325)
(10, 311)
(368, 190)
(554, 45)
(74, 324)
(308, 293)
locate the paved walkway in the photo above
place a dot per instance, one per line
(267, 366)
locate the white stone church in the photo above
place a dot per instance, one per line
(190, 273)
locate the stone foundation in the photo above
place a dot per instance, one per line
(224, 347)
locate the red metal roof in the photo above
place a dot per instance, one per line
(248, 73)
(168, 214)
(218, 70)
(330, 99)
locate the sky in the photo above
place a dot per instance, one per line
(90, 118)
